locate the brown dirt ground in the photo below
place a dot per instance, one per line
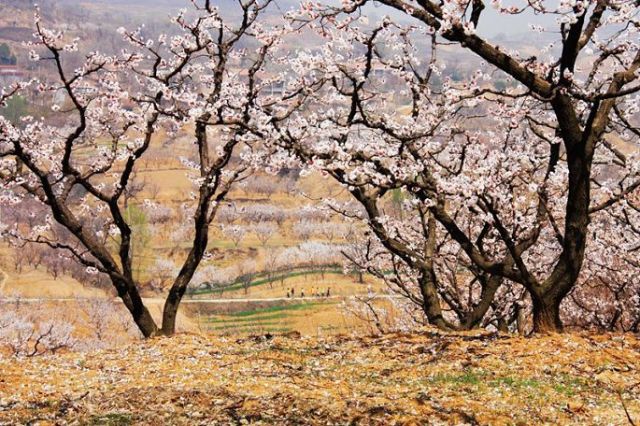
(421, 378)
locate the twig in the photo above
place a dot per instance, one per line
(631, 422)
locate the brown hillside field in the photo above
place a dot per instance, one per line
(310, 316)
(166, 183)
(409, 379)
(39, 284)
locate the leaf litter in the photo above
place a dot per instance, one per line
(428, 377)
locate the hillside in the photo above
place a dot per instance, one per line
(393, 379)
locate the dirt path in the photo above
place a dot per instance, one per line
(3, 281)
(159, 300)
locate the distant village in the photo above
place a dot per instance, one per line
(10, 72)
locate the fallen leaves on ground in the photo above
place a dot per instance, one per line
(422, 378)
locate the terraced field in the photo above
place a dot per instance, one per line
(306, 315)
(265, 305)
(276, 319)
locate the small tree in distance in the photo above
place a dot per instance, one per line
(264, 232)
(235, 233)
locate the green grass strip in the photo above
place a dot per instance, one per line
(271, 309)
(277, 315)
(245, 325)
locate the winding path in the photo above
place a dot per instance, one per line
(220, 301)
(3, 281)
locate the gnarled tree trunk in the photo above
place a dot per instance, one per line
(546, 314)
(430, 300)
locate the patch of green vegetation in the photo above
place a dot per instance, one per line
(482, 378)
(467, 377)
(514, 383)
(568, 385)
(564, 384)
(111, 419)
(16, 108)
(244, 325)
(251, 330)
(277, 315)
(271, 319)
(271, 309)
(328, 327)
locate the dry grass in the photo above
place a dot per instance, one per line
(420, 378)
(39, 284)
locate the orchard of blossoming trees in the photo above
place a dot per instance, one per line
(513, 208)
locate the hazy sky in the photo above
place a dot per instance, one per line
(492, 23)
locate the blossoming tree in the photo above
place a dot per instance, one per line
(79, 161)
(510, 176)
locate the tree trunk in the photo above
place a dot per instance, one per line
(146, 324)
(520, 319)
(201, 238)
(489, 287)
(428, 280)
(502, 325)
(140, 314)
(546, 314)
(170, 312)
(128, 293)
(430, 299)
